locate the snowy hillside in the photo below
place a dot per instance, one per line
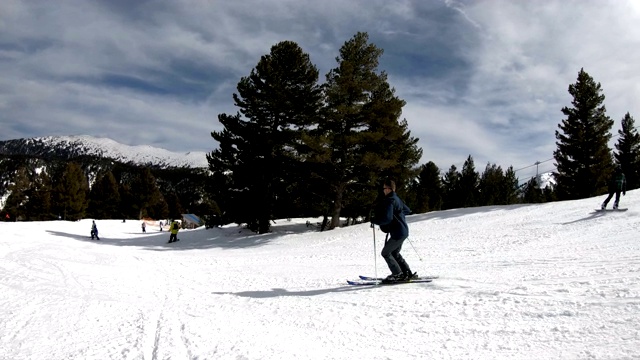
(548, 281)
(89, 145)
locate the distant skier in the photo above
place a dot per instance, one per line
(160, 225)
(175, 227)
(617, 184)
(144, 227)
(94, 231)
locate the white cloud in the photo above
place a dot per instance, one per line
(481, 78)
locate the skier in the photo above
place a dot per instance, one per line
(144, 227)
(175, 227)
(617, 184)
(94, 231)
(389, 215)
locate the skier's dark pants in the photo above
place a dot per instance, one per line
(391, 254)
(611, 192)
(173, 237)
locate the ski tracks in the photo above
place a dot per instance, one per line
(161, 328)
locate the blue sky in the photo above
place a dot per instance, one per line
(480, 78)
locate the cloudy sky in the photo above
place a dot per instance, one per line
(480, 78)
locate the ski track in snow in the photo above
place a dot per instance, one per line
(546, 281)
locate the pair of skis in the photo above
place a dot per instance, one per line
(368, 280)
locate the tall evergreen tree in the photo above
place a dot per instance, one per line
(491, 186)
(469, 182)
(174, 207)
(104, 198)
(129, 208)
(279, 99)
(583, 158)
(451, 187)
(70, 193)
(188, 184)
(628, 155)
(16, 204)
(150, 202)
(427, 189)
(509, 190)
(216, 189)
(362, 136)
(531, 192)
(39, 204)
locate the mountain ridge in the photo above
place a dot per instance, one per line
(86, 145)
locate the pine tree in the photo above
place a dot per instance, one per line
(491, 186)
(361, 138)
(628, 155)
(427, 189)
(583, 158)
(216, 189)
(469, 182)
(549, 193)
(149, 199)
(18, 198)
(510, 188)
(531, 193)
(174, 207)
(279, 99)
(451, 187)
(39, 204)
(186, 183)
(70, 193)
(104, 198)
(129, 208)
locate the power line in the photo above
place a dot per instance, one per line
(537, 163)
(534, 164)
(540, 162)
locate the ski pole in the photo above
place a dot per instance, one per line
(414, 249)
(375, 258)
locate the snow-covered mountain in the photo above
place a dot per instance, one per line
(546, 179)
(85, 145)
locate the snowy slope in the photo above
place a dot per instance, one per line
(141, 154)
(548, 281)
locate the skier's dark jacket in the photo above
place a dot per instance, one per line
(618, 182)
(389, 214)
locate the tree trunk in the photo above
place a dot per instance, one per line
(337, 207)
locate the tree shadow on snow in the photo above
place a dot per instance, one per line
(225, 238)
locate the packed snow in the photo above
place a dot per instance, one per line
(548, 281)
